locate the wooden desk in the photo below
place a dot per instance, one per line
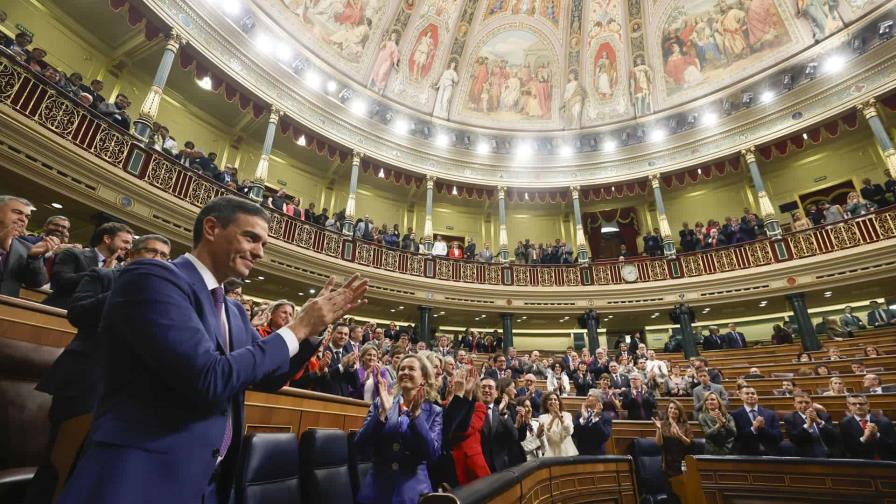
(35, 323)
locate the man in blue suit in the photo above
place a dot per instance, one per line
(758, 429)
(812, 434)
(179, 356)
(880, 316)
(735, 339)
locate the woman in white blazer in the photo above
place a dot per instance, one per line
(555, 428)
(557, 380)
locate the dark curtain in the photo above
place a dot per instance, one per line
(627, 221)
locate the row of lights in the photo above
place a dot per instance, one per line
(520, 148)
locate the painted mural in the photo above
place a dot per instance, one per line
(709, 40)
(545, 9)
(606, 63)
(511, 78)
(345, 26)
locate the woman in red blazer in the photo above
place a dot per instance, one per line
(469, 463)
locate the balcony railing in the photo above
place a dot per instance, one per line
(43, 103)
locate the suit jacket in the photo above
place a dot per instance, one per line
(534, 400)
(401, 450)
(168, 387)
(21, 269)
(765, 441)
(340, 382)
(851, 322)
(630, 403)
(825, 445)
(711, 342)
(591, 435)
(699, 393)
(883, 447)
(621, 383)
(873, 319)
(497, 435)
(74, 378)
(71, 266)
(733, 338)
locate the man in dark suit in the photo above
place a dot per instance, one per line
(499, 368)
(880, 316)
(714, 375)
(638, 400)
(498, 429)
(179, 356)
(758, 428)
(874, 193)
(713, 340)
(618, 381)
(734, 339)
(21, 263)
(342, 372)
(72, 265)
(591, 429)
(866, 436)
(75, 377)
(811, 433)
(531, 392)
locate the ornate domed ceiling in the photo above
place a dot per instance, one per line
(554, 64)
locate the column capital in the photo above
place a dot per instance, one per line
(890, 159)
(574, 191)
(357, 156)
(868, 108)
(654, 179)
(430, 181)
(274, 115)
(501, 191)
(749, 154)
(174, 40)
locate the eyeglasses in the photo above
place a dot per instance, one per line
(154, 253)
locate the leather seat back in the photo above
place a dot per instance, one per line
(652, 482)
(325, 473)
(269, 470)
(359, 463)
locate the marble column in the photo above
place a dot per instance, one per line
(665, 230)
(423, 331)
(348, 225)
(427, 223)
(869, 110)
(503, 252)
(772, 227)
(808, 338)
(150, 107)
(581, 246)
(261, 171)
(507, 326)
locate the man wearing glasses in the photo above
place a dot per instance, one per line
(74, 378)
(866, 436)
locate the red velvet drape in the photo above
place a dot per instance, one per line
(625, 218)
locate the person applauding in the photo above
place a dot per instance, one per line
(556, 428)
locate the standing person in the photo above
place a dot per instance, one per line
(674, 436)
(369, 371)
(811, 432)
(499, 429)
(280, 314)
(556, 427)
(582, 379)
(718, 426)
(527, 429)
(705, 387)
(20, 262)
(466, 449)
(178, 359)
(403, 430)
(638, 401)
(865, 435)
(608, 397)
(592, 428)
(557, 380)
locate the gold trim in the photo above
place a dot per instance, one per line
(868, 108)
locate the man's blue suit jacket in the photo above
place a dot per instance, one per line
(168, 388)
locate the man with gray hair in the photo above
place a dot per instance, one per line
(20, 262)
(591, 428)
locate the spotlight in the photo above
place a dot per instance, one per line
(858, 44)
(302, 141)
(610, 144)
(710, 118)
(205, 83)
(401, 126)
(787, 84)
(359, 107)
(727, 106)
(811, 70)
(835, 63)
(454, 190)
(231, 7)
(284, 52)
(382, 174)
(746, 99)
(885, 30)
(482, 147)
(247, 24)
(767, 96)
(345, 95)
(312, 79)
(441, 140)
(565, 150)
(331, 86)
(523, 149)
(657, 135)
(264, 43)
(56, 205)
(692, 120)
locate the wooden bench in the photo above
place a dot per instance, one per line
(35, 323)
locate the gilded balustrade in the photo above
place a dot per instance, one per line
(28, 95)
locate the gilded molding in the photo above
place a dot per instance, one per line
(654, 180)
(890, 158)
(868, 108)
(749, 154)
(150, 107)
(174, 40)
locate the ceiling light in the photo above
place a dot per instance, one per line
(392, 310)
(805, 136)
(885, 29)
(441, 140)
(608, 227)
(301, 293)
(482, 147)
(231, 7)
(56, 205)
(260, 277)
(787, 83)
(284, 52)
(811, 69)
(609, 145)
(828, 294)
(313, 79)
(359, 106)
(311, 291)
(331, 86)
(205, 83)
(247, 280)
(565, 150)
(401, 126)
(441, 313)
(835, 63)
(767, 96)
(657, 314)
(264, 43)
(454, 190)
(710, 118)
(401, 307)
(524, 318)
(746, 99)
(523, 149)
(518, 320)
(609, 316)
(302, 141)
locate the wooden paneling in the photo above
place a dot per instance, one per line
(29, 321)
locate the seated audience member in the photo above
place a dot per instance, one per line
(834, 354)
(704, 387)
(872, 351)
(342, 377)
(865, 435)
(117, 111)
(674, 436)
(754, 374)
(788, 387)
(73, 264)
(439, 247)
(858, 367)
(874, 193)
(701, 363)
(591, 428)
(871, 384)
(822, 370)
(831, 326)
(280, 315)
(500, 427)
(638, 401)
(781, 336)
(811, 432)
(804, 357)
(233, 288)
(734, 338)
(74, 378)
(880, 316)
(805, 371)
(837, 388)
(713, 340)
(718, 426)
(531, 393)
(676, 384)
(403, 430)
(556, 427)
(581, 379)
(849, 321)
(758, 428)
(558, 381)
(527, 430)
(21, 262)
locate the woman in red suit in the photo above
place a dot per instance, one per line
(455, 252)
(466, 448)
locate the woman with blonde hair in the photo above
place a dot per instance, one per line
(800, 223)
(368, 364)
(855, 205)
(556, 427)
(718, 426)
